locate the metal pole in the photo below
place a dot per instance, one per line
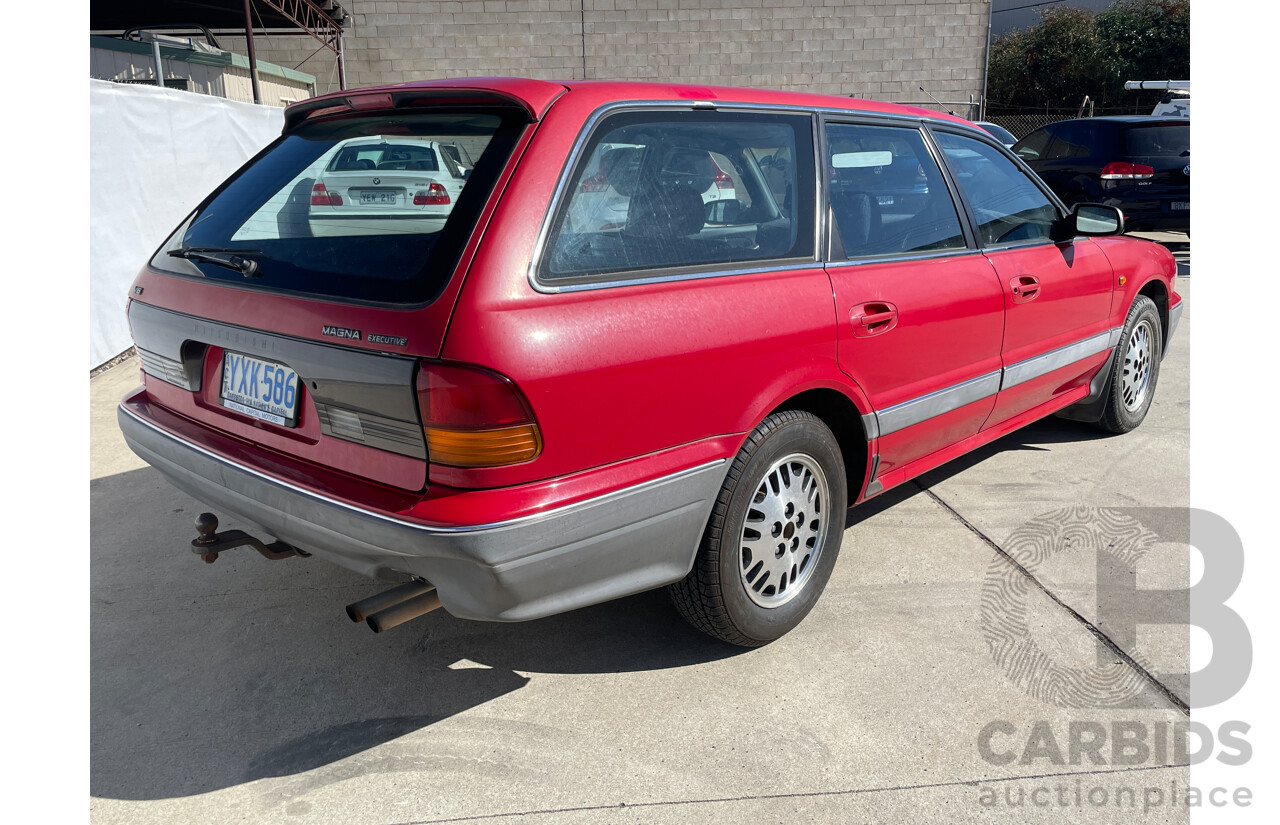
(253, 58)
(155, 54)
(342, 64)
(986, 67)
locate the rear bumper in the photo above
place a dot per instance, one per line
(592, 551)
(1150, 211)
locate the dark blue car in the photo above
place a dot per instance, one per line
(1139, 163)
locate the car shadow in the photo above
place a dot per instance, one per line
(1032, 437)
(204, 677)
(208, 676)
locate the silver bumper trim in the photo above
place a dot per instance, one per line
(591, 551)
(1175, 315)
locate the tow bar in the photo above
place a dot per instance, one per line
(381, 611)
(210, 543)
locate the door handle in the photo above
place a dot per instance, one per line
(873, 318)
(1025, 288)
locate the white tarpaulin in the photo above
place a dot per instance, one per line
(154, 155)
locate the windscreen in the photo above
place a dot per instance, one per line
(371, 209)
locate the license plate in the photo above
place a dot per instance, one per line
(884, 200)
(263, 389)
(382, 198)
(1180, 205)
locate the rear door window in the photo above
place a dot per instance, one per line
(373, 208)
(887, 193)
(1034, 145)
(1078, 139)
(678, 190)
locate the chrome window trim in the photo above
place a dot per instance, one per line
(905, 257)
(414, 525)
(800, 265)
(579, 145)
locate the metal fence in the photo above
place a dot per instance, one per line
(1022, 124)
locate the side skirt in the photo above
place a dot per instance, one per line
(936, 459)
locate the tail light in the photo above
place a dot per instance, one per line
(723, 180)
(1119, 170)
(323, 197)
(475, 418)
(596, 183)
(435, 195)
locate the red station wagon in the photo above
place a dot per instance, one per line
(513, 407)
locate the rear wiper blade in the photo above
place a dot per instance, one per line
(229, 258)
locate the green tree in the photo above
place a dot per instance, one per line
(1071, 53)
(1147, 40)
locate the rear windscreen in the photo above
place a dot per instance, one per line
(373, 208)
(1169, 139)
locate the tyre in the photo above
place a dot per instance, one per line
(773, 536)
(1135, 369)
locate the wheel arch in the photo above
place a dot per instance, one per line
(1156, 290)
(843, 417)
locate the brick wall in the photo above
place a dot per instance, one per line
(882, 49)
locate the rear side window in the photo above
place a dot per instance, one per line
(1008, 206)
(668, 190)
(1078, 139)
(1034, 145)
(373, 208)
(887, 193)
(1165, 140)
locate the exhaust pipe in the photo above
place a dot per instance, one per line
(361, 610)
(398, 614)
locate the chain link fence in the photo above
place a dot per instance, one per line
(1021, 124)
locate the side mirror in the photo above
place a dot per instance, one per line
(1089, 220)
(726, 211)
(1094, 219)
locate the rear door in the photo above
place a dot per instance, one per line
(1057, 295)
(920, 313)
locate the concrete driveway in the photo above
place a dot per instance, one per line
(938, 679)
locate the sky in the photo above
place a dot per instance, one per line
(1023, 14)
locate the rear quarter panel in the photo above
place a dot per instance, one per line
(629, 370)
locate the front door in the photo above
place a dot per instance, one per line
(1057, 295)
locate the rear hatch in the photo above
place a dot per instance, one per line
(293, 307)
(1165, 146)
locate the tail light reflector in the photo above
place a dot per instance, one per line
(1120, 170)
(723, 179)
(475, 418)
(435, 195)
(323, 197)
(596, 183)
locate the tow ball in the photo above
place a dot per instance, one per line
(210, 542)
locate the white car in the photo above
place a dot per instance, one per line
(388, 184)
(610, 179)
